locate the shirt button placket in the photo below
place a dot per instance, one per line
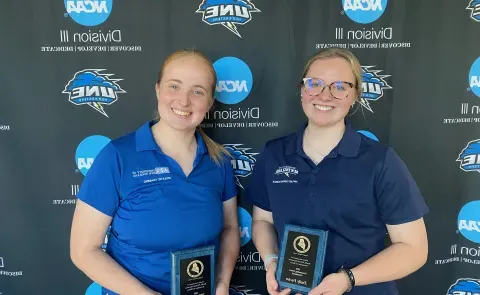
(313, 177)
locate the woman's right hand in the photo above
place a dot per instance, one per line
(272, 284)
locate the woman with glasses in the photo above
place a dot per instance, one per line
(327, 176)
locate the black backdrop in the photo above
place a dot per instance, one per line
(421, 76)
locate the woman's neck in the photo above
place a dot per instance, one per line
(318, 142)
(173, 141)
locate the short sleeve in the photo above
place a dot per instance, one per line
(230, 188)
(398, 196)
(256, 190)
(99, 189)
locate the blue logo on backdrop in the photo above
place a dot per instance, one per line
(368, 134)
(88, 13)
(373, 85)
(469, 158)
(93, 88)
(474, 7)
(241, 290)
(244, 226)
(465, 287)
(94, 289)
(235, 80)
(242, 161)
(474, 77)
(364, 11)
(107, 236)
(469, 221)
(227, 13)
(87, 150)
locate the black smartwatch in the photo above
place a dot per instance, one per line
(351, 279)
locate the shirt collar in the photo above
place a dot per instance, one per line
(145, 142)
(348, 146)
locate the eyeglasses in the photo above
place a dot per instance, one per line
(338, 89)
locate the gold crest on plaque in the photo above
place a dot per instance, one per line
(195, 269)
(301, 244)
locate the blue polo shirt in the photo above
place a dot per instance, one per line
(156, 209)
(357, 189)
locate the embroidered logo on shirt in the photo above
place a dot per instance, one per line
(150, 172)
(156, 171)
(287, 171)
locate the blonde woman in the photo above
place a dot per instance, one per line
(328, 176)
(163, 188)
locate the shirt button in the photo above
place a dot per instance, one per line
(311, 194)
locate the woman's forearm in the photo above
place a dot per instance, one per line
(227, 257)
(393, 263)
(101, 268)
(264, 237)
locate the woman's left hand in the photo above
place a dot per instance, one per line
(222, 289)
(333, 284)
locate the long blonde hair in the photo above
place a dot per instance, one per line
(341, 53)
(215, 150)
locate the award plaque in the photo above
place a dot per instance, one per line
(193, 271)
(301, 258)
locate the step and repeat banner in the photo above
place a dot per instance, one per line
(77, 74)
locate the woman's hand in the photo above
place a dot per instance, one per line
(333, 284)
(272, 284)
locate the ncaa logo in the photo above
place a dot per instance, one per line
(88, 13)
(94, 289)
(364, 11)
(368, 134)
(87, 150)
(474, 77)
(235, 80)
(244, 226)
(469, 158)
(469, 221)
(465, 287)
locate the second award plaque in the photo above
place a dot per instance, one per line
(193, 271)
(301, 258)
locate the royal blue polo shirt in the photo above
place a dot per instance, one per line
(155, 207)
(353, 193)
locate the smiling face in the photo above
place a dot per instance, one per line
(185, 91)
(318, 103)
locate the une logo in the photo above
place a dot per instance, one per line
(88, 13)
(368, 134)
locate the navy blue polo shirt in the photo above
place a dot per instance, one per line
(156, 208)
(353, 193)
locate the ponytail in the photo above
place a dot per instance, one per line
(215, 150)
